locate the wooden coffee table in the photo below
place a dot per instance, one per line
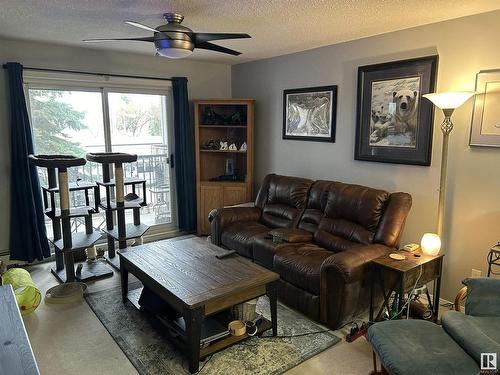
(186, 274)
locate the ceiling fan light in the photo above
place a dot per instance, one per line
(174, 53)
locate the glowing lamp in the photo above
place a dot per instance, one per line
(430, 244)
(449, 100)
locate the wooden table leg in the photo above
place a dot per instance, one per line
(193, 319)
(273, 304)
(124, 281)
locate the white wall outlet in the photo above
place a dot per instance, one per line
(476, 273)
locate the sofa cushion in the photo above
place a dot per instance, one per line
(358, 204)
(263, 251)
(240, 236)
(414, 347)
(316, 202)
(300, 265)
(297, 298)
(474, 334)
(264, 248)
(277, 215)
(339, 235)
(282, 200)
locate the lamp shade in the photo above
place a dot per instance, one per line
(449, 100)
(174, 53)
(430, 244)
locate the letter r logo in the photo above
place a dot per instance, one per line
(488, 361)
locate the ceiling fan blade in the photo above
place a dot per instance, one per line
(215, 47)
(98, 40)
(141, 26)
(205, 37)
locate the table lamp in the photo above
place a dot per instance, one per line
(430, 244)
(448, 102)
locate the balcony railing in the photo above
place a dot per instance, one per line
(152, 167)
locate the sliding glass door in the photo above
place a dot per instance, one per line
(138, 125)
(78, 120)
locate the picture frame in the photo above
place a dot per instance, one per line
(309, 114)
(485, 124)
(393, 122)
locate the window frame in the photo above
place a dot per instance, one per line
(105, 84)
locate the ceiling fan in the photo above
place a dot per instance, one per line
(176, 41)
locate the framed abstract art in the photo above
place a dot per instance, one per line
(309, 114)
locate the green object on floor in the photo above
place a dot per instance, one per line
(28, 296)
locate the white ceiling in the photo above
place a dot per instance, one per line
(277, 27)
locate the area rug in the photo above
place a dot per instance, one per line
(139, 337)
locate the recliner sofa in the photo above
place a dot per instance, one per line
(333, 229)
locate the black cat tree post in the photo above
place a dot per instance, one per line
(67, 243)
(121, 202)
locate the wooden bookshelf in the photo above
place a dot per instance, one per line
(230, 120)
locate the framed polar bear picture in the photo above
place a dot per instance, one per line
(394, 124)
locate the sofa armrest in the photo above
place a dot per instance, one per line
(220, 218)
(345, 287)
(351, 264)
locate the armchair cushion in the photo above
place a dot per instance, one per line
(414, 347)
(483, 296)
(474, 334)
(300, 265)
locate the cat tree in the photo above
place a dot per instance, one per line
(117, 202)
(66, 242)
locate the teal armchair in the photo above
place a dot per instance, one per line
(478, 330)
(411, 347)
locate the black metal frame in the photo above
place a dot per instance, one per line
(396, 155)
(378, 275)
(333, 123)
(493, 259)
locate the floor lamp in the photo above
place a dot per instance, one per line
(447, 102)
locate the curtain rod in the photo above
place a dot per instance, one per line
(90, 73)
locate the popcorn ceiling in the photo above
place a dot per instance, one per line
(277, 27)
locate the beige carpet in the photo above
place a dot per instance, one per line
(71, 340)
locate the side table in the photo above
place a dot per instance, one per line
(401, 276)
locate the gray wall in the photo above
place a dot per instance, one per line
(465, 46)
(205, 80)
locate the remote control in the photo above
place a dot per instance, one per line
(226, 254)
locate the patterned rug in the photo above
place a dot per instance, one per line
(138, 336)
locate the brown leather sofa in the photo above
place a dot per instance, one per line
(333, 229)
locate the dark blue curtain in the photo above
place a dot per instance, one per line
(184, 156)
(28, 237)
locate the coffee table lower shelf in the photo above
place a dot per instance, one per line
(220, 344)
(217, 345)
